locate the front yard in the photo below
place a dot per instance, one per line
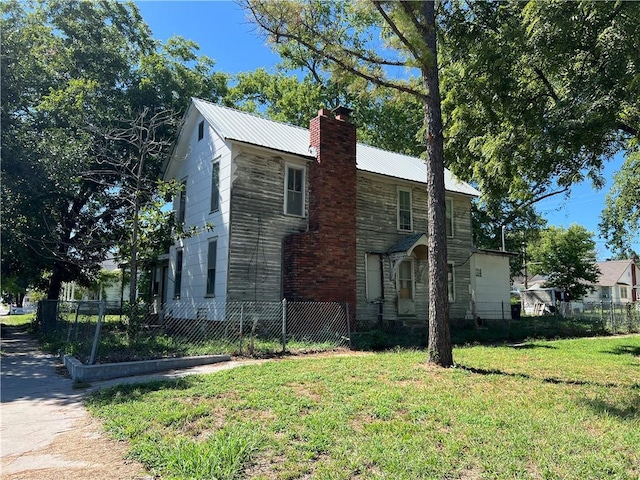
(560, 409)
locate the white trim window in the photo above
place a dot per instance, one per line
(182, 201)
(405, 217)
(215, 186)
(294, 190)
(451, 283)
(449, 216)
(212, 255)
(373, 286)
(624, 292)
(201, 130)
(177, 283)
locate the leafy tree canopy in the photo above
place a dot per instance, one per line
(567, 257)
(72, 73)
(620, 220)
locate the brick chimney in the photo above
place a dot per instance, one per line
(320, 264)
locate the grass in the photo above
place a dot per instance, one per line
(565, 409)
(17, 320)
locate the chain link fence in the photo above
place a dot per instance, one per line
(500, 321)
(84, 330)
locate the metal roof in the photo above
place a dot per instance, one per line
(244, 127)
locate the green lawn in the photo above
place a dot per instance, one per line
(24, 319)
(567, 409)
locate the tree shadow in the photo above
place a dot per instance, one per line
(633, 350)
(552, 380)
(531, 346)
(126, 392)
(602, 407)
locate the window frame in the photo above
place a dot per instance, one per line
(201, 130)
(210, 285)
(624, 293)
(369, 286)
(451, 284)
(448, 213)
(182, 202)
(215, 186)
(298, 168)
(398, 209)
(177, 274)
(412, 280)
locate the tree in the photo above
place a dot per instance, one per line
(345, 36)
(537, 95)
(620, 220)
(72, 73)
(567, 257)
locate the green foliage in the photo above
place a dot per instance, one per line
(567, 257)
(75, 76)
(537, 95)
(620, 220)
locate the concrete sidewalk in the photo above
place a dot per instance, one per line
(40, 405)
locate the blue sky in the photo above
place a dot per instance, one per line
(224, 34)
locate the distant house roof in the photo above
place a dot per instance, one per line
(235, 125)
(611, 272)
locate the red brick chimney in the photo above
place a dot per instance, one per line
(320, 264)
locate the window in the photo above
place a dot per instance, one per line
(405, 280)
(449, 217)
(177, 286)
(294, 191)
(404, 210)
(201, 130)
(211, 268)
(623, 292)
(182, 201)
(215, 187)
(451, 292)
(606, 292)
(478, 272)
(374, 277)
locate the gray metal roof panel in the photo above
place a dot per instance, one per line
(252, 129)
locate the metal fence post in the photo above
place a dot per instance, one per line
(96, 337)
(284, 325)
(241, 327)
(348, 324)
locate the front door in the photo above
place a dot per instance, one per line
(405, 285)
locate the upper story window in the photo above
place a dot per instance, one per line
(449, 217)
(294, 191)
(201, 130)
(182, 201)
(405, 220)
(215, 186)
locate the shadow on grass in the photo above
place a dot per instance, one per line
(124, 393)
(626, 412)
(633, 350)
(553, 380)
(531, 346)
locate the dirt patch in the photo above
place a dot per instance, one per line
(85, 452)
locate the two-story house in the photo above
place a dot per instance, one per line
(307, 214)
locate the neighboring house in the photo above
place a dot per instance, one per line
(306, 215)
(619, 282)
(110, 290)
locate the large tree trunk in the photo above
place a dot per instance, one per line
(55, 282)
(439, 342)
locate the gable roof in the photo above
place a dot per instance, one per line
(238, 126)
(611, 271)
